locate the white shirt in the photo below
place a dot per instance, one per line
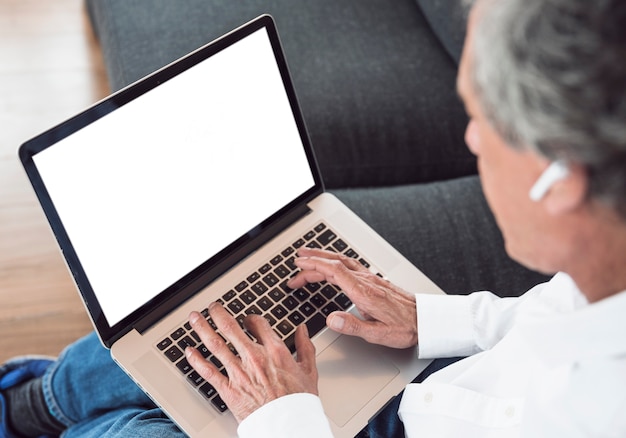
(547, 364)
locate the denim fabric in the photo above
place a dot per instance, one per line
(86, 391)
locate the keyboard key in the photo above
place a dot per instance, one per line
(326, 237)
(340, 245)
(270, 319)
(164, 344)
(320, 227)
(290, 342)
(178, 333)
(318, 300)
(219, 404)
(313, 287)
(343, 301)
(235, 306)
(279, 312)
(194, 378)
(253, 277)
(364, 263)
(330, 308)
(265, 268)
(309, 235)
(184, 366)
(315, 324)
(329, 291)
(229, 295)
(282, 271)
(241, 286)
(276, 260)
(286, 288)
(287, 251)
(291, 263)
(265, 303)
(276, 295)
(284, 327)
(290, 303)
(253, 310)
(301, 294)
(186, 342)
(259, 288)
(298, 243)
(248, 297)
(207, 390)
(307, 308)
(296, 318)
(173, 353)
(270, 279)
(204, 351)
(351, 253)
(215, 361)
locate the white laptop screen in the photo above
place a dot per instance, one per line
(152, 190)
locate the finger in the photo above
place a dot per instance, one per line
(206, 369)
(212, 341)
(305, 350)
(303, 278)
(261, 330)
(230, 329)
(356, 285)
(348, 324)
(350, 262)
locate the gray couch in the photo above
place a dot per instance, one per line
(376, 83)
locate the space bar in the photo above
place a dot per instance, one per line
(315, 324)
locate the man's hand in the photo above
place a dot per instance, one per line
(264, 370)
(389, 312)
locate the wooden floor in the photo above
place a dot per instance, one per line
(50, 68)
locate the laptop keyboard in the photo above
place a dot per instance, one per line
(265, 292)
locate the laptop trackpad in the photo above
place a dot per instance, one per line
(351, 374)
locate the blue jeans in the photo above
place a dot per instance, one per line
(87, 392)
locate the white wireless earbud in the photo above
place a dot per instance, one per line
(555, 172)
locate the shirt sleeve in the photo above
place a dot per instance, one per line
(300, 415)
(462, 325)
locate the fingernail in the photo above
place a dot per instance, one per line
(336, 322)
(188, 352)
(193, 317)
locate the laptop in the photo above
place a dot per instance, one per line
(198, 183)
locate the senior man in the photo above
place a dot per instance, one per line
(544, 84)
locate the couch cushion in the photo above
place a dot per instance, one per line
(376, 87)
(448, 21)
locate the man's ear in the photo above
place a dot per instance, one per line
(569, 193)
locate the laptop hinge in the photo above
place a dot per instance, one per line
(219, 268)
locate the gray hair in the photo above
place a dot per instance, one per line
(551, 75)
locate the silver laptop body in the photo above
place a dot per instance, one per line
(173, 193)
